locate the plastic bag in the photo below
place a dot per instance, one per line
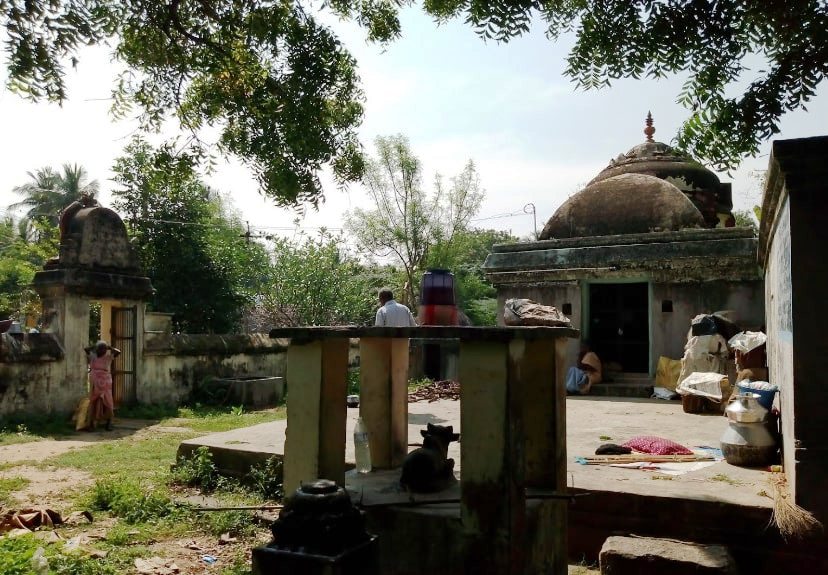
(703, 384)
(747, 340)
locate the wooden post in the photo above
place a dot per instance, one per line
(493, 508)
(383, 403)
(315, 437)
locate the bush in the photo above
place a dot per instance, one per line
(16, 554)
(197, 470)
(237, 523)
(81, 565)
(353, 382)
(267, 478)
(130, 501)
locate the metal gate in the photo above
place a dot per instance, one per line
(123, 338)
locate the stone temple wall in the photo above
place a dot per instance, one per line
(35, 379)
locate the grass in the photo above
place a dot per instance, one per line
(239, 566)
(415, 384)
(224, 419)
(16, 555)
(135, 491)
(32, 428)
(127, 458)
(203, 418)
(10, 485)
(725, 479)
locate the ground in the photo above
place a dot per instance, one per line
(68, 471)
(123, 479)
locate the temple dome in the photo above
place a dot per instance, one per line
(630, 203)
(660, 160)
(652, 158)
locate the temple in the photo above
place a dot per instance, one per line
(648, 244)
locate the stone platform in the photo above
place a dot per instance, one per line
(718, 504)
(588, 420)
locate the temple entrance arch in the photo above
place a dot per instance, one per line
(96, 263)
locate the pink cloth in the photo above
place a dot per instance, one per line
(100, 399)
(656, 446)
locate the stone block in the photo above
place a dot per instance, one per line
(650, 556)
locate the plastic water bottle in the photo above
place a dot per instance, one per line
(362, 450)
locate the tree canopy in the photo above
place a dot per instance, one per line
(714, 43)
(404, 221)
(283, 93)
(278, 86)
(20, 259)
(189, 244)
(314, 281)
(49, 191)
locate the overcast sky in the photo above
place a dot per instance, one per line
(507, 107)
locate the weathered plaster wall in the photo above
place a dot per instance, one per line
(669, 329)
(793, 244)
(173, 365)
(38, 377)
(32, 372)
(779, 297)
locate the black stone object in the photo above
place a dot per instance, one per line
(318, 531)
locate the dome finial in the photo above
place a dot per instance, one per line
(649, 130)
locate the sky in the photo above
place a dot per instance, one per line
(534, 138)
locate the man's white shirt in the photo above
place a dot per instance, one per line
(394, 314)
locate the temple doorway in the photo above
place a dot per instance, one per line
(619, 324)
(118, 326)
(123, 338)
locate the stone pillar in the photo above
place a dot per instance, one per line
(513, 438)
(316, 411)
(67, 316)
(493, 509)
(383, 403)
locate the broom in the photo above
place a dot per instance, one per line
(792, 520)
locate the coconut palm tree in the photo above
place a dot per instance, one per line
(49, 192)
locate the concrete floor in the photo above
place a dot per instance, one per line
(588, 419)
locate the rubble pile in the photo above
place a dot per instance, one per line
(445, 389)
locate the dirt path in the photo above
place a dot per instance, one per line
(52, 487)
(46, 448)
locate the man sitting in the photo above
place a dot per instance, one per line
(580, 379)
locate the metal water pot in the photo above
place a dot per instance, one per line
(745, 408)
(747, 441)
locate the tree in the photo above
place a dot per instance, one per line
(709, 41)
(278, 86)
(20, 258)
(404, 221)
(49, 192)
(189, 244)
(313, 281)
(746, 219)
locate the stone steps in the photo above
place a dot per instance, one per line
(638, 385)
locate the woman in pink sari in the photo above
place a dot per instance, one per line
(101, 404)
